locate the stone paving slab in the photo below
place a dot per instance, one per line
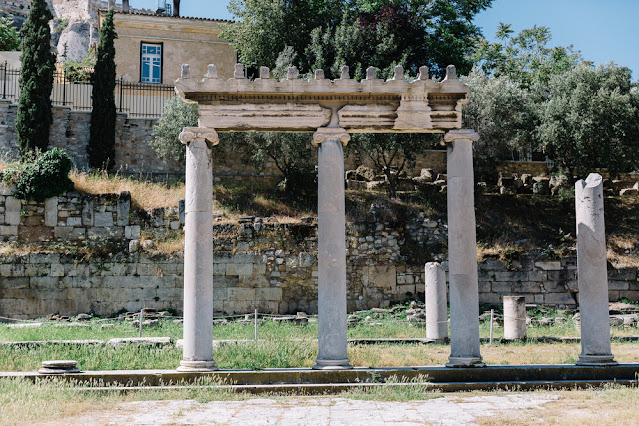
(445, 410)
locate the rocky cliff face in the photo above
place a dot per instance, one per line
(74, 27)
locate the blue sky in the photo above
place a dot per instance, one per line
(602, 31)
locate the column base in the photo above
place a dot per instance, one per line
(465, 362)
(332, 364)
(196, 366)
(596, 360)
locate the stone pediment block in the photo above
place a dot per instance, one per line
(294, 104)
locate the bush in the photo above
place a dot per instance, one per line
(47, 176)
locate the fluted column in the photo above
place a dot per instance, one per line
(331, 224)
(592, 273)
(462, 251)
(198, 251)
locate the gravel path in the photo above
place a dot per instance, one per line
(447, 410)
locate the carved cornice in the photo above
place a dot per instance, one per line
(324, 133)
(461, 134)
(189, 134)
(371, 105)
(281, 98)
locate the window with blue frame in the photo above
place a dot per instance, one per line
(151, 63)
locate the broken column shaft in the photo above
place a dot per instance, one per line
(436, 307)
(592, 273)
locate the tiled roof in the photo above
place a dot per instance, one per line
(167, 16)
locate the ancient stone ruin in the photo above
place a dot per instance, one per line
(332, 109)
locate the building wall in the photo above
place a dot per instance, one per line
(195, 42)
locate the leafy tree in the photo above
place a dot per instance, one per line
(525, 57)
(291, 153)
(36, 80)
(503, 113)
(101, 147)
(330, 33)
(591, 120)
(176, 116)
(9, 35)
(392, 153)
(264, 28)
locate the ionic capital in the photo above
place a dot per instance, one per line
(324, 133)
(189, 134)
(467, 134)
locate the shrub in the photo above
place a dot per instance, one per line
(47, 176)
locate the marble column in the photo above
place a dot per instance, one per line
(198, 251)
(462, 251)
(592, 273)
(514, 317)
(436, 307)
(331, 224)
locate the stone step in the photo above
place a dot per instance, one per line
(337, 388)
(292, 377)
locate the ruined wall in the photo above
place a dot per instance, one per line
(258, 263)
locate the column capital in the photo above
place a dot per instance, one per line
(468, 134)
(189, 134)
(324, 133)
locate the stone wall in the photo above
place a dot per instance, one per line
(70, 131)
(92, 261)
(274, 281)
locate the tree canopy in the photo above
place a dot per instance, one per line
(9, 34)
(591, 120)
(525, 58)
(503, 113)
(383, 33)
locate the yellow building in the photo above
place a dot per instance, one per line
(151, 48)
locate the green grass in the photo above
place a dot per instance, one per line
(283, 345)
(91, 357)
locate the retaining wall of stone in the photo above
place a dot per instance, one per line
(275, 281)
(258, 263)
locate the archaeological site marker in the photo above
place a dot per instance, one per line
(331, 109)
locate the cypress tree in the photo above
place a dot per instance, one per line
(101, 147)
(36, 80)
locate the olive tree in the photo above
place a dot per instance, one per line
(591, 120)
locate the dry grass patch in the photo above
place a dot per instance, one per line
(145, 195)
(623, 250)
(612, 405)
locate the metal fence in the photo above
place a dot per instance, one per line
(142, 100)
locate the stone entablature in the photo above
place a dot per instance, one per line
(294, 104)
